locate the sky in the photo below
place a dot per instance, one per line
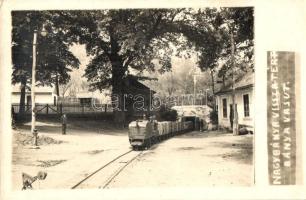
(80, 52)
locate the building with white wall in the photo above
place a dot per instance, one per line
(43, 95)
(244, 100)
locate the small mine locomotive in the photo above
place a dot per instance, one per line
(144, 133)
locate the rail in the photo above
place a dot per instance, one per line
(111, 178)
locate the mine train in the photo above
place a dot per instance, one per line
(144, 133)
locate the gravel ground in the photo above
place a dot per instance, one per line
(66, 158)
(194, 159)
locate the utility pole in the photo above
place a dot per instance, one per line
(194, 88)
(235, 114)
(33, 131)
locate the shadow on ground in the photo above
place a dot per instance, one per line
(76, 126)
(205, 134)
(241, 150)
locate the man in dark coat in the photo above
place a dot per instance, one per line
(64, 124)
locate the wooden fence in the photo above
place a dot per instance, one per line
(62, 108)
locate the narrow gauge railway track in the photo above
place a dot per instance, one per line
(111, 178)
(107, 178)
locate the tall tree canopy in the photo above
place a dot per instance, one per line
(226, 21)
(54, 60)
(125, 40)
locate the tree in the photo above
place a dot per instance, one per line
(64, 88)
(239, 25)
(125, 40)
(54, 58)
(227, 21)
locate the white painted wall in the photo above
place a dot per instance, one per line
(225, 122)
(40, 98)
(15, 98)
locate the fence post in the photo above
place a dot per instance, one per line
(105, 108)
(47, 109)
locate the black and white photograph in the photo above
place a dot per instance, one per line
(125, 98)
(138, 99)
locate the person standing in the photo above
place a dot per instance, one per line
(64, 124)
(13, 118)
(201, 125)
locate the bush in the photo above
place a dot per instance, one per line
(214, 117)
(166, 114)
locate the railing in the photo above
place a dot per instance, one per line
(62, 108)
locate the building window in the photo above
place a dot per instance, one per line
(29, 99)
(246, 105)
(224, 104)
(85, 101)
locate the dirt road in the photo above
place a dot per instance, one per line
(196, 159)
(66, 158)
